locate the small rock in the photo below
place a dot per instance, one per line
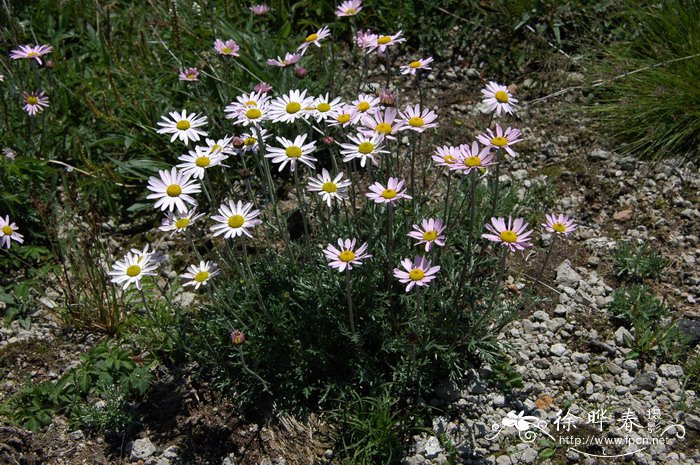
(623, 215)
(622, 335)
(693, 421)
(529, 455)
(503, 460)
(558, 349)
(671, 371)
(141, 449)
(646, 381)
(691, 328)
(432, 447)
(76, 435)
(567, 275)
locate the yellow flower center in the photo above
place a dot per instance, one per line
(202, 162)
(32, 100)
(508, 236)
(350, 11)
(346, 256)
(216, 148)
(416, 274)
(201, 276)
(499, 141)
(383, 128)
(429, 236)
(389, 193)
(363, 106)
(32, 54)
(383, 40)
(183, 125)
(312, 37)
(227, 50)
(133, 270)
(416, 122)
(235, 221)
(253, 113)
(323, 107)
(293, 151)
(250, 140)
(501, 96)
(365, 148)
(329, 187)
(173, 190)
(6, 230)
(449, 159)
(472, 161)
(559, 227)
(182, 223)
(414, 64)
(344, 118)
(310, 108)
(251, 103)
(293, 107)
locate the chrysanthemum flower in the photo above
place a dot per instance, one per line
(249, 108)
(381, 43)
(292, 152)
(315, 39)
(198, 161)
(364, 147)
(288, 60)
(183, 126)
(228, 48)
(417, 119)
(345, 256)
(325, 108)
(248, 100)
(8, 232)
(412, 67)
(220, 146)
(345, 116)
(383, 123)
(513, 235)
(259, 10)
(447, 156)
(235, 219)
(501, 139)
(349, 8)
(429, 232)
(389, 194)
(417, 273)
(262, 87)
(132, 269)
(172, 189)
(251, 142)
(561, 224)
(9, 153)
(30, 52)
(498, 98)
(365, 104)
(199, 275)
(329, 188)
(290, 107)
(35, 102)
(190, 74)
(179, 221)
(472, 158)
(365, 39)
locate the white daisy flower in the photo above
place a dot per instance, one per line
(179, 221)
(417, 119)
(498, 98)
(345, 116)
(384, 124)
(363, 147)
(173, 189)
(365, 104)
(325, 108)
(132, 269)
(315, 39)
(412, 67)
(222, 147)
(329, 188)
(199, 275)
(291, 152)
(290, 107)
(381, 42)
(251, 142)
(246, 101)
(234, 219)
(183, 126)
(198, 161)
(8, 232)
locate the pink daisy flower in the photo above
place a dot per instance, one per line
(260, 10)
(561, 224)
(262, 87)
(513, 234)
(417, 119)
(471, 158)
(229, 48)
(417, 273)
(288, 60)
(498, 98)
(190, 74)
(381, 42)
(412, 67)
(380, 123)
(447, 156)
(34, 102)
(345, 256)
(365, 39)
(389, 194)
(349, 8)
(429, 232)
(29, 52)
(501, 139)
(315, 39)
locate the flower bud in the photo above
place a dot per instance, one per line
(300, 71)
(328, 140)
(387, 97)
(237, 337)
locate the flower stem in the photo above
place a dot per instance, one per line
(348, 293)
(302, 207)
(546, 259)
(496, 287)
(251, 372)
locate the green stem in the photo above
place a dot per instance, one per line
(251, 372)
(348, 294)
